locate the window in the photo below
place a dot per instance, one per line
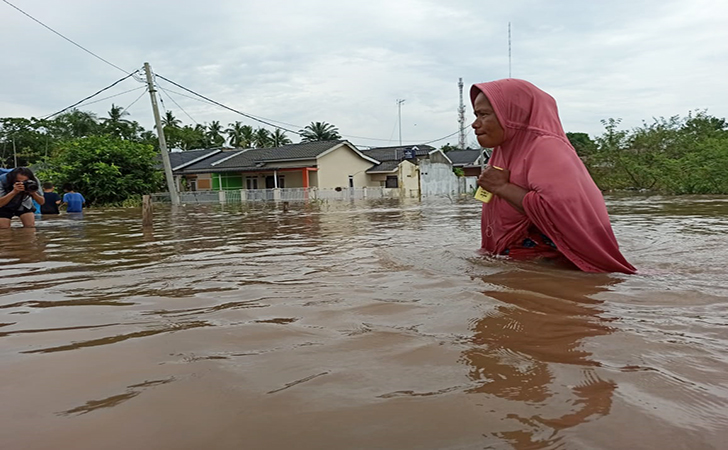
(392, 181)
(251, 183)
(351, 181)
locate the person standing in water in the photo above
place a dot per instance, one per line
(72, 199)
(52, 200)
(18, 189)
(545, 204)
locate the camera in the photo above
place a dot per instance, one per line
(30, 185)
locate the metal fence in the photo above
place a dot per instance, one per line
(285, 195)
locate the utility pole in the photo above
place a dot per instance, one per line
(461, 117)
(15, 154)
(399, 114)
(173, 194)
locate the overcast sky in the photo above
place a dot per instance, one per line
(347, 62)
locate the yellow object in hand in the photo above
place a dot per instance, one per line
(483, 195)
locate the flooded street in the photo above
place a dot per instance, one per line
(366, 325)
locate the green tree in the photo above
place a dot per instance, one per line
(214, 134)
(76, 124)
(279, 138)
(262, 138)
(582, 143)
(239, 135)
(448, 148)
(105, 169)
(170, 121)
(319, 131)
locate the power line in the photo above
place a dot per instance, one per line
(132, 103)
(175, 102)
(226, 107)
(268, 121)
(112, 96)
(64, 37)
(91, 96)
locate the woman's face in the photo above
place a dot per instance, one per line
(487, 128)
(20, 177)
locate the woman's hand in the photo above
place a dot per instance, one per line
(497, 182)
(494, 180)
(18, 187)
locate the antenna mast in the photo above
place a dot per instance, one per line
(461, 117)
(509, 50)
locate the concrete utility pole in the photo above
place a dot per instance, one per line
(173, 194)
(399, 114)
(461, 117)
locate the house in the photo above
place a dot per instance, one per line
(320, 164)
(416, 170)
(469, 160)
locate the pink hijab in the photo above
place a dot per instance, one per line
(563, 201)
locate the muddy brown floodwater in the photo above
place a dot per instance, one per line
(366, 325)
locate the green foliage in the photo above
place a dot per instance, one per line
(448, 148)
(583, 144)
(319, 131)
(458, 171)
(674, 155)
(106, 170)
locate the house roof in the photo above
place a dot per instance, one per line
(385, 167)
(396, 153)
(179, 160)
(205, 165)
(252, 159)
(467, 157)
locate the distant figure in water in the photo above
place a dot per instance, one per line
(545, 204)
(72, 199)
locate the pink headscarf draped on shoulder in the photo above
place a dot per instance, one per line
(563, 201)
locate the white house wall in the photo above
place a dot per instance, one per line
(437, 178)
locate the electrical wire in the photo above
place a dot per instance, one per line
(267, 121)
(91, 96)
(227, 107)
(64, 37)
(175, 102)
(115, 95)
(132, 103)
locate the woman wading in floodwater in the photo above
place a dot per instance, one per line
(545, 204)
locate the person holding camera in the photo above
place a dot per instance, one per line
(18, 189)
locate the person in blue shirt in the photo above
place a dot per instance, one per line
(72, 199)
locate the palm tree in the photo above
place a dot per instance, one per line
(319, 131)
(75, 123)
(262, 138)
(241, 136)
(214, 134)
(116, 125)
(279, 138)
(170, 121)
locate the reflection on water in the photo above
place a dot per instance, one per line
(369, 324)
(538, 325)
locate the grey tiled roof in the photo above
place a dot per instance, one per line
(241, 160)
(386, 166)
(179, 158)
(467, 157)
(253, 156)
(206, 164)
(396, 153)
